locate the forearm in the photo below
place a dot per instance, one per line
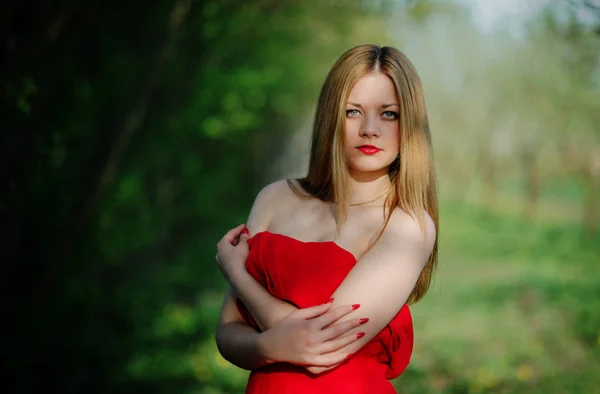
(266, 309)
(240, 344)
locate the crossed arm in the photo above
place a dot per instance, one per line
(380, 283)
(319, 337)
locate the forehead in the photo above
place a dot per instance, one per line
(373, 89)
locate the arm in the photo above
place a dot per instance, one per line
(265, 309)
(384, 277)
(388, 271)
(237, 342)
(272, 311)
(306, 337)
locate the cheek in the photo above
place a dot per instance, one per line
(393, 137)
(351, 132)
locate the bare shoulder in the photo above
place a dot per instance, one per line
(265, 205)
(272, 190)
(278, 191)
(404, 233)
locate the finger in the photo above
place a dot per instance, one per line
(336, 330)
(243, 237)
(313, 311)
(339, 343)
(233, 234)
(329, 359)
(335, 314)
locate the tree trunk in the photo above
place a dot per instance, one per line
(132, 123)
(592, 200)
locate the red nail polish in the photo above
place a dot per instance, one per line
(360, 335)
(355, 307)
(363, 320)
(330, 301)
(245, 230)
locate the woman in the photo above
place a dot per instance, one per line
(318, 295)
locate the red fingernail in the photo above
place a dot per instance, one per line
(360, 335)
(245, 230)
(355, 307)
(330, 301)
(363, 320)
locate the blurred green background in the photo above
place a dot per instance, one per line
(135, 134)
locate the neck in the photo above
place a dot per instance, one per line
(365, 186)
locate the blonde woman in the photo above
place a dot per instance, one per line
(322, 274)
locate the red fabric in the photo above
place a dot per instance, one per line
(306, 274)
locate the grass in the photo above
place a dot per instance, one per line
(514, 308)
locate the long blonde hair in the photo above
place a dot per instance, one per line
(412, 174)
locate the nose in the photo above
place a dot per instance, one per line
(369, 128)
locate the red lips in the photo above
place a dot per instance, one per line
(368, 149)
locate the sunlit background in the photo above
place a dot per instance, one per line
(135, 135)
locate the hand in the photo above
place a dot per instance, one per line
(308, 337)
(232, 251)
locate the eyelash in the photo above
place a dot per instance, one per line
(395, 115)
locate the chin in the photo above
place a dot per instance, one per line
(370, 165)
(370, 168)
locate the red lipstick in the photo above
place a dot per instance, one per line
(368, 149)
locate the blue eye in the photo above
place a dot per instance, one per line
(391, 115)
(352, 112)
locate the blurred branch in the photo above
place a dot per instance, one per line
(131, 124)
(59, 22)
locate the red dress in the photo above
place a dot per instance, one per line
(306, 274)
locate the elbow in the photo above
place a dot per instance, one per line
(222, 339)
(220, 342)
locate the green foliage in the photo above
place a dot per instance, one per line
(137, 135)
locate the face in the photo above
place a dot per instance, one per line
(372, 125)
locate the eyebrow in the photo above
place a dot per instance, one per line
(383, 106)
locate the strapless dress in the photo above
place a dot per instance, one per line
(306, 274)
